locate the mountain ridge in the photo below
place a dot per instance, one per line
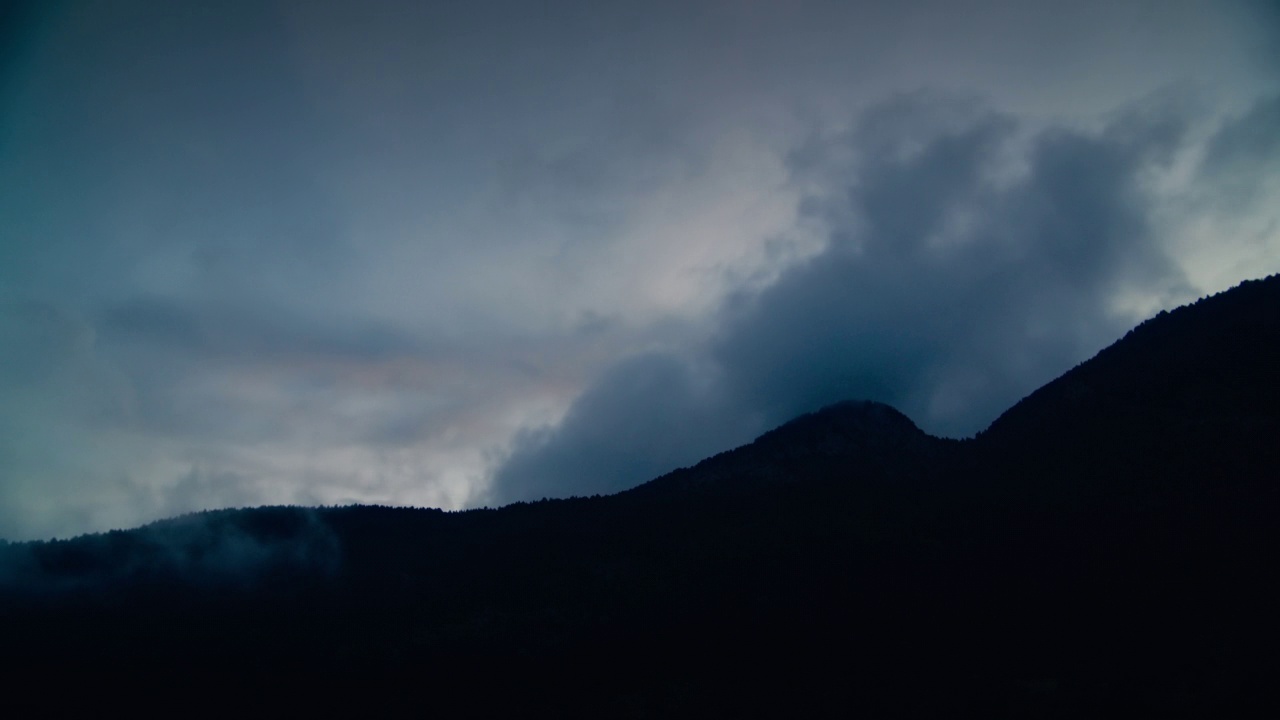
(1105, 543)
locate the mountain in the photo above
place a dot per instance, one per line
(1108, 543)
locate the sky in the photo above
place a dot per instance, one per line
(458, 254)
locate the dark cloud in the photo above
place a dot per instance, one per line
(947, 290)
(954, 281)
(647, 415)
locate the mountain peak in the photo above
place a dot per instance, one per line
(859, 420)
(849, 434)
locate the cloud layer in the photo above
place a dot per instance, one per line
(448, 254)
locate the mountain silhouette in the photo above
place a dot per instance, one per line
(1107, 543)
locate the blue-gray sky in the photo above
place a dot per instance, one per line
(454, 254)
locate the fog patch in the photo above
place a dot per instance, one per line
(221, 549)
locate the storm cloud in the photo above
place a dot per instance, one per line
(967, 262)
(450, 254)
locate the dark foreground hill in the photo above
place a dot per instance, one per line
(1108, 544)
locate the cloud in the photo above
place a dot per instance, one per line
(1223, 220)
(969, 259)
(1242, 159)
(56, 391)
(348, 251)
(646, 415)
(952, 285)
(208, 550)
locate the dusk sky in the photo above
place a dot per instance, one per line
(456, 254)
